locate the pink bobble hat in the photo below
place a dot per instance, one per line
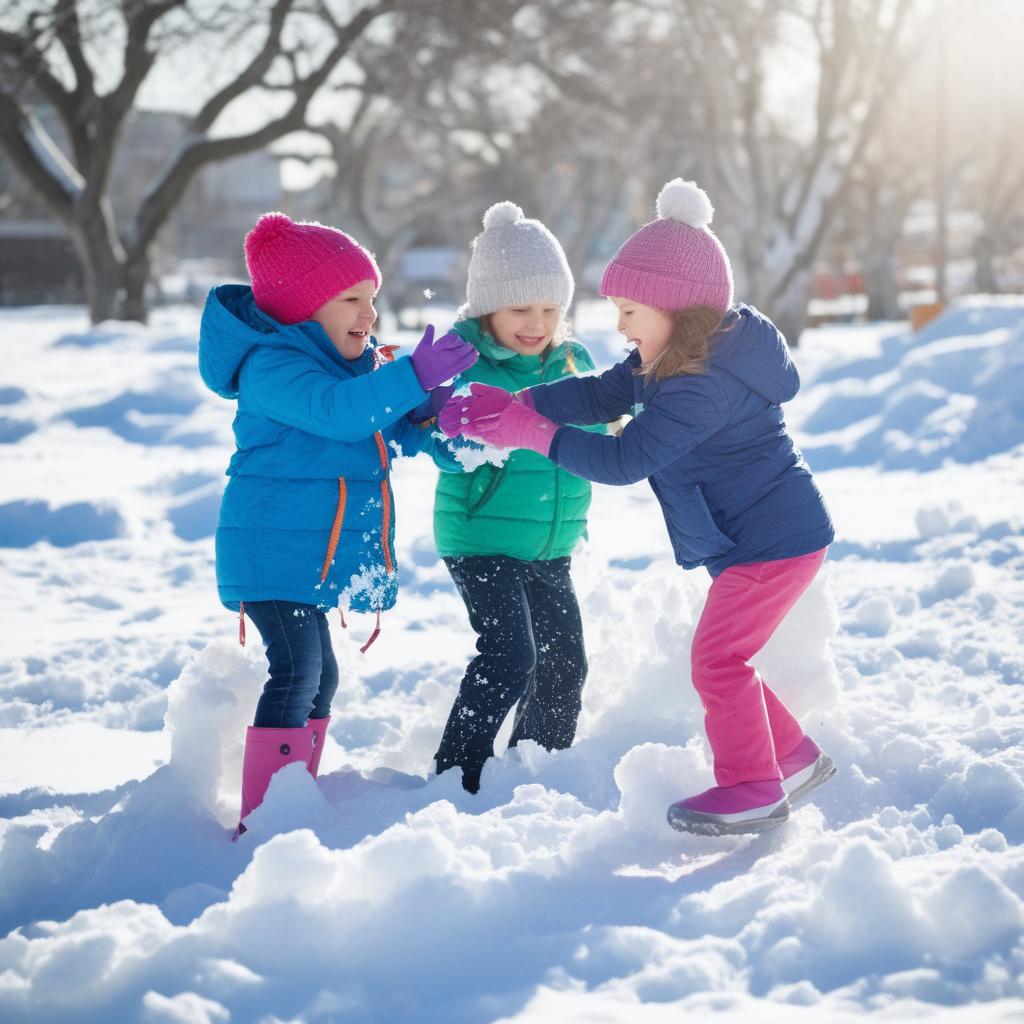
(675, 261)
(297, 266)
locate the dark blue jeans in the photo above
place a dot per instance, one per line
(530, 643)
(303, 669)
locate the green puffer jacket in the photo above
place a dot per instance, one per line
(529, 508)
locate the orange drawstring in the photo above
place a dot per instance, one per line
(373, 635)
(339, 516)
(386, 502)
(241, 623)
(332, 545)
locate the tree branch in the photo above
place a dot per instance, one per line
(198, 149)
(69, 32)
(252, 75)
(30, 61)
(14, 135)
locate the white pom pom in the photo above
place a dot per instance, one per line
(685, 201)
(502, 213)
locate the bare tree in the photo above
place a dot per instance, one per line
(785, 165)
(531, 112)
(55, 50)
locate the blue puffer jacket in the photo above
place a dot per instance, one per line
(731, 485)
(308, 514)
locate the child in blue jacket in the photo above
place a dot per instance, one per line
(704, 388)
(307, 518)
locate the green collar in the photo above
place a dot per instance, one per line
(471, 331)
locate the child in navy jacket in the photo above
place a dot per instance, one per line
(704, 388)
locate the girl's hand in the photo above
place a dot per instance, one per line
(484, 401)
(495, 417)
(438, 361)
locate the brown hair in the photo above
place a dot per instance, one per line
(688, 344)
(561, 335)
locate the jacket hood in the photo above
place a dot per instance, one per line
(233, 325)
(751, 348)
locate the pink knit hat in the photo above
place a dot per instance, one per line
(296, 267)
(675, 261)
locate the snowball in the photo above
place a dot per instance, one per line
(502, 213)
(686, 202)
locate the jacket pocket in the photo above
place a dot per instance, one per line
(692, 529)
(486, 480)
(709, 519)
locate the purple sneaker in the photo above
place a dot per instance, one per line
(805, 769)
(732, 810)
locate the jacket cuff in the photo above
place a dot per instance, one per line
(555, 441)
(411, 393)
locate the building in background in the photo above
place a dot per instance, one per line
(200, 245)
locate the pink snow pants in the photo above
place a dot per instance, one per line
(748, 726)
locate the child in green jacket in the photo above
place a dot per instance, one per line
(506, 532)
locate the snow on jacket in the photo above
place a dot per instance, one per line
(732, 487)
(528, 508)
(308, 513)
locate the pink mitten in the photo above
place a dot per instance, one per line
(515, 426)
(484, 401)
(489, 401)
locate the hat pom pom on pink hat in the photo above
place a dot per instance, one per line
(297, 266)
(675, 261)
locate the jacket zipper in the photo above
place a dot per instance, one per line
(554, 519)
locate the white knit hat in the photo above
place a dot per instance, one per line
(515, 261)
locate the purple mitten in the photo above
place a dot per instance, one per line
(515, 426)
(526, 398)
(438, 361)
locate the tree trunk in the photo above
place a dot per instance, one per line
(115, 283)
(789, 310)
(136, 277)
(880, 285)
(984, 272)
(104, 284)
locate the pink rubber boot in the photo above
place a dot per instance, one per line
(267, 751)
(731, 810)
(317, 727)
(804, 769)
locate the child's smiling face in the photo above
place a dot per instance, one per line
(527, 329)
(348, 317)
(645, 326)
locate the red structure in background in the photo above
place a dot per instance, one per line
(832, 286)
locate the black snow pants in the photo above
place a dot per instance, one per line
(530, 643)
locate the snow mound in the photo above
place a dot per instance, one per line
(953, 391)
(558, 893)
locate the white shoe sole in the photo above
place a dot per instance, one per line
(799, 786)
(758, 819)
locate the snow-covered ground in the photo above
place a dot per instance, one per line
(559, 893)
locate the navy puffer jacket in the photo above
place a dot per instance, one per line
(714, 446)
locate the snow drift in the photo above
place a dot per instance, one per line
(559, 893)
